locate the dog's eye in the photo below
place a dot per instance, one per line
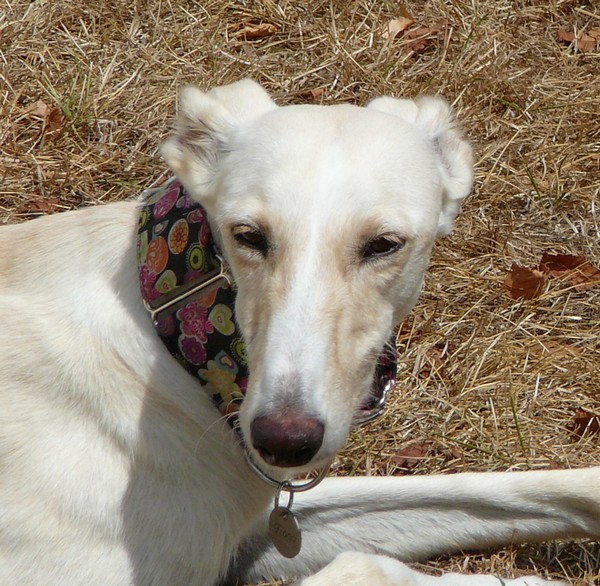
(382, 246)
(250, 237)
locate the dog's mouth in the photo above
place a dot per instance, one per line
(278, 475)
(301, 464)
(291, 441)
(384, 381)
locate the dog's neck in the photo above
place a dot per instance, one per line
(189, 296)
(191, 299)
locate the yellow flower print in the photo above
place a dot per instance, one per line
(221, 381)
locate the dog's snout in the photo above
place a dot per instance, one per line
(287, 439)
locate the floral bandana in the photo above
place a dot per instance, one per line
(191, 300)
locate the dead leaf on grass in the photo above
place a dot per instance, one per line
(435, 358)
(250, 31)
(423, 35)
(418, 38)
(410, 456)
(524, 283)
(425, 31)
(313, 94)
(557, 350)
(398, 25)
(584, 42)
(47, 205)
(54, 120)
(51, 115)
(583, 424)
(575, 270)
(39, 108)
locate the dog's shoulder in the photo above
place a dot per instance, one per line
(28, 247)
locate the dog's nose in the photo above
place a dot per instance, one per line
(287, 439)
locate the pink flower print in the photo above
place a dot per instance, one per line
(185, 202)
(194, 321)
(147, 281)
(164, 205)
(204, 234)
(196, 216)
(166, 325)
(243, 384)
(193, 350)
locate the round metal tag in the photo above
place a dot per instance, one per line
(285, 532)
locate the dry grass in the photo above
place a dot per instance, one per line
(485, 382)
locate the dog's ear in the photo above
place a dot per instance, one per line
(455, 155)
(205, 125)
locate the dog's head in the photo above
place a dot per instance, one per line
(326, 216)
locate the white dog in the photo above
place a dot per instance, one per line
(117, 466)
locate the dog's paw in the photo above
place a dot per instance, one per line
(462, 580)
(360, 569)
(533, 581)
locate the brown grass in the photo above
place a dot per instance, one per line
(486, 382)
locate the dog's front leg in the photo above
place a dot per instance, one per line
(413, 518)
(360, 569)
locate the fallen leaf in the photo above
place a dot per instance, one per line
(572, 269)
(524, 283)
(251, 31)
(47, 205)
(557, 350)
(418, 45)
(584, 423)
(404, 13)
(422, 36)
(54, 120)
(39, 108)
(585, 43)
(565, 35)
(313, 95)
(422, 31)
(51, 115)
(435, 358)
(411, 455)
(397, 26)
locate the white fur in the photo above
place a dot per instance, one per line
(116, 468)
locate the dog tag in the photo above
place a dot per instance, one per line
(285, 532)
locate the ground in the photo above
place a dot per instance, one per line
(486, 381)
